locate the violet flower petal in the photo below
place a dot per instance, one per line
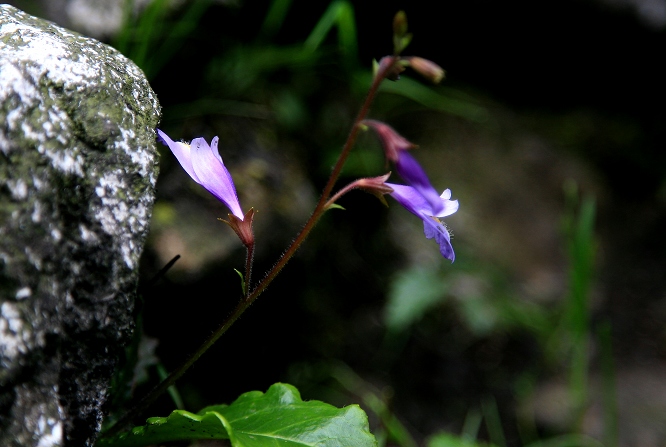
(450, 206)
(213, 147)
(204, 164)
(410, 198)
(181, 151)
(412, 172)
(214, 176)
(413, 201)
(436, 229)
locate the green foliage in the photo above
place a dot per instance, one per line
(412, 294)
(579, 229)
(340, 14)
(275, 17)
(392, 432)
(449, 440)
(151, 39)
(484, 304)
(493, 422)
(441, 99)
(391, 428)
(256, 419)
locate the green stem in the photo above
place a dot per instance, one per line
(243, 304)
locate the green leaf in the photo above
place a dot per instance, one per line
(242, 278)
(277, 418)
(336, 207)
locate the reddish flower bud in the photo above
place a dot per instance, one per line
(242, 227)
(392, 142)
(427, 69)
(391, 65)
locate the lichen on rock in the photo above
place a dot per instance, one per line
(78, 166)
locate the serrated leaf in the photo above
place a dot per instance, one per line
(278, 417)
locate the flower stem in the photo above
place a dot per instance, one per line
(353, 133)
(249, 260)
(340, 193)
(322, 206)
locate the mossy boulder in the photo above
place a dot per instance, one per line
(78, 166)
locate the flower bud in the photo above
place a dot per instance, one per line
(401, 38)
(391, 65)
(392, 142)
(400, 24)
(427, 69)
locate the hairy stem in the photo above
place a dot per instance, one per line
(323, 200)
(249, 260)
(339, 194)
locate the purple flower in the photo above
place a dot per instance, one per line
(412, 172)
(395, 149)
(416, 203)
(204, 164)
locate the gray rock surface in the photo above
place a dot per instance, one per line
(78, 166)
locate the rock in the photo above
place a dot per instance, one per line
(78, 165)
